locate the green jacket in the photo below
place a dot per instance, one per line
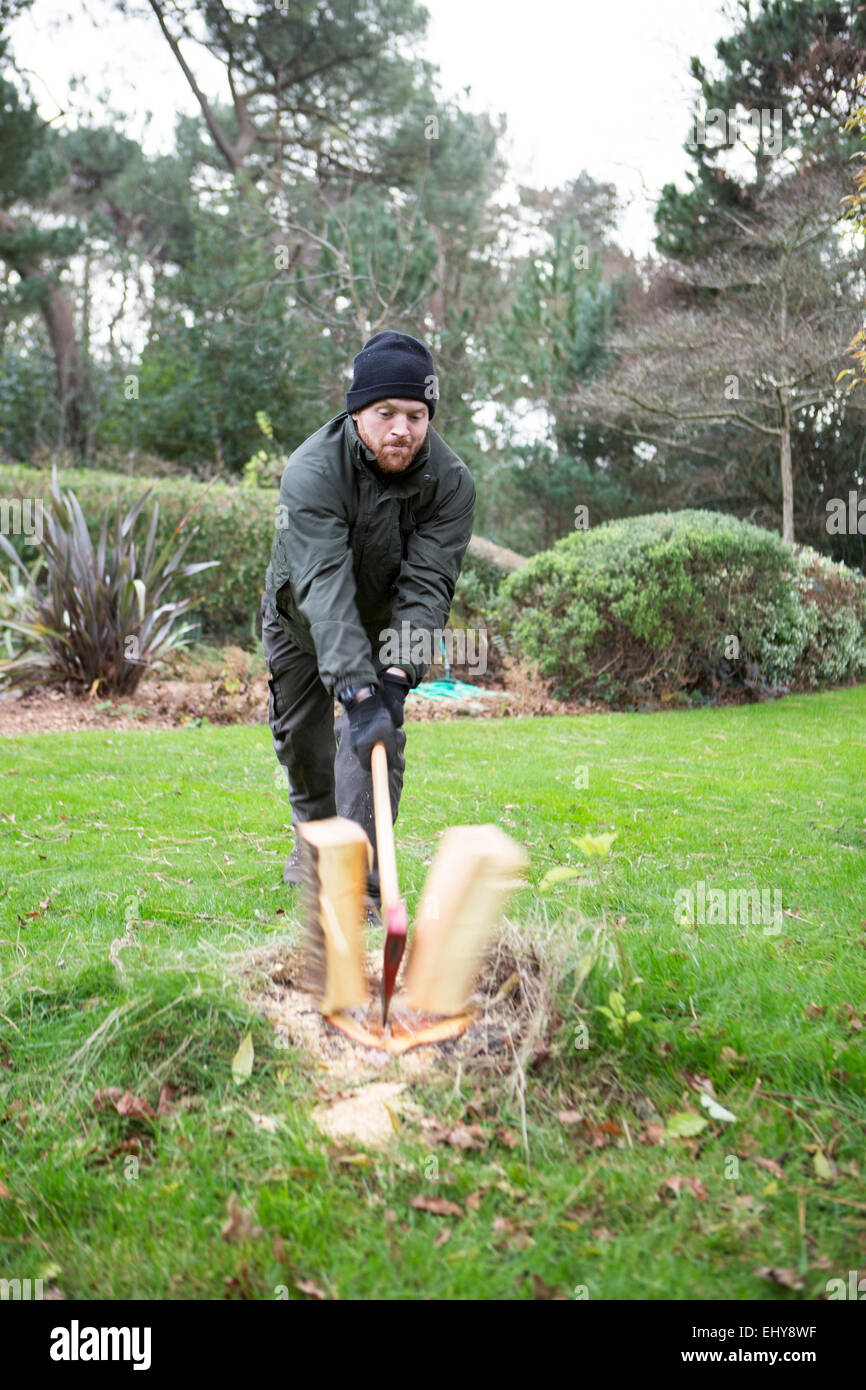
(354, 554)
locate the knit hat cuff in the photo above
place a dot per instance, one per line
(390, 390)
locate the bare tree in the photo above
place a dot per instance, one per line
(746, 340)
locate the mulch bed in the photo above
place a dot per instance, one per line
(161, 703)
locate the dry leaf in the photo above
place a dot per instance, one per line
(239, 1226)
(459, 1136)
(678, 1182)
(4, 1190)
(134, 1108)
(769, 1165)
(269, 1123)
(699, 1083)
(716, 1111)
(443, 1237)
(310, 1289)
(473, 1201)
(507, 1137)
(730, 1058)
(438, 1206)
(124, 1102)
(653, 1134)
(786, 1278)
(541, 1291)
(165, 1105)
(815, 1010)
(569, 1117)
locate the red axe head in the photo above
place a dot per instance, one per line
(396, 923)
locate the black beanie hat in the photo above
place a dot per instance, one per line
(393, 364)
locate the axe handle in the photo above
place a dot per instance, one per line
(388, 885)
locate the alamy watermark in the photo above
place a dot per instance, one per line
(761, 124)
(846, 517)
(705, 906)
(22, 516)
(424, 646)
(20, 1289)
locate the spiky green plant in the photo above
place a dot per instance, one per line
(95, 618)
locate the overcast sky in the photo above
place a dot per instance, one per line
(590, 85)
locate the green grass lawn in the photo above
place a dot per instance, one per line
(182, 835)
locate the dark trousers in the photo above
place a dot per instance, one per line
(325, 778)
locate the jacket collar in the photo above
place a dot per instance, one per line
(400, 484)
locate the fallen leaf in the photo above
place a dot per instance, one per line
(124, 1102)
(815, 1010)
(310, 1289)
(716, 1111)
(504, 1225)
(134, 1108)
(108, 1095)
(699, 1083)
(459, 1136)
(821, 1165)
(473, 1201)
(786, 1278)
(443, 1237)
(569, 1117)
(242, 1062)
(541, 1291)
(438, 1206)
(559, 874)
(268, 1123)
(678, 1182)
(4, 1190)
(653, 1134)
(507, 1137)
(730, 1058)
(165, 1105)
(769, 1165)
(239, 1226)
(684, 1124)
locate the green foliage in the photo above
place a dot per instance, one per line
(771, 61)
(99, 618)
(619, 1018)
(233, 525)
(687, 603)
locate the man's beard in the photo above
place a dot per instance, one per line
(388, 459)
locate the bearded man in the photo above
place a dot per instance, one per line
(374, 519)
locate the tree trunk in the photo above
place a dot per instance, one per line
(64, 346)
(785, 468)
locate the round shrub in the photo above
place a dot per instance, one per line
(684, 604)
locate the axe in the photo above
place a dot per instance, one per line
(394, 913)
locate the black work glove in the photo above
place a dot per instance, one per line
(394, 692)
(370, 723)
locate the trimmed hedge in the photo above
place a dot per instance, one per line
(685, 605)
(236, 526)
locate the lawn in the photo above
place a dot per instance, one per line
(141, 882)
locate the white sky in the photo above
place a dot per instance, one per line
(583, 84)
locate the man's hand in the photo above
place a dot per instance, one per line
(371, 722)
(395, 688)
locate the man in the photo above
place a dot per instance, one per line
(374, 519)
